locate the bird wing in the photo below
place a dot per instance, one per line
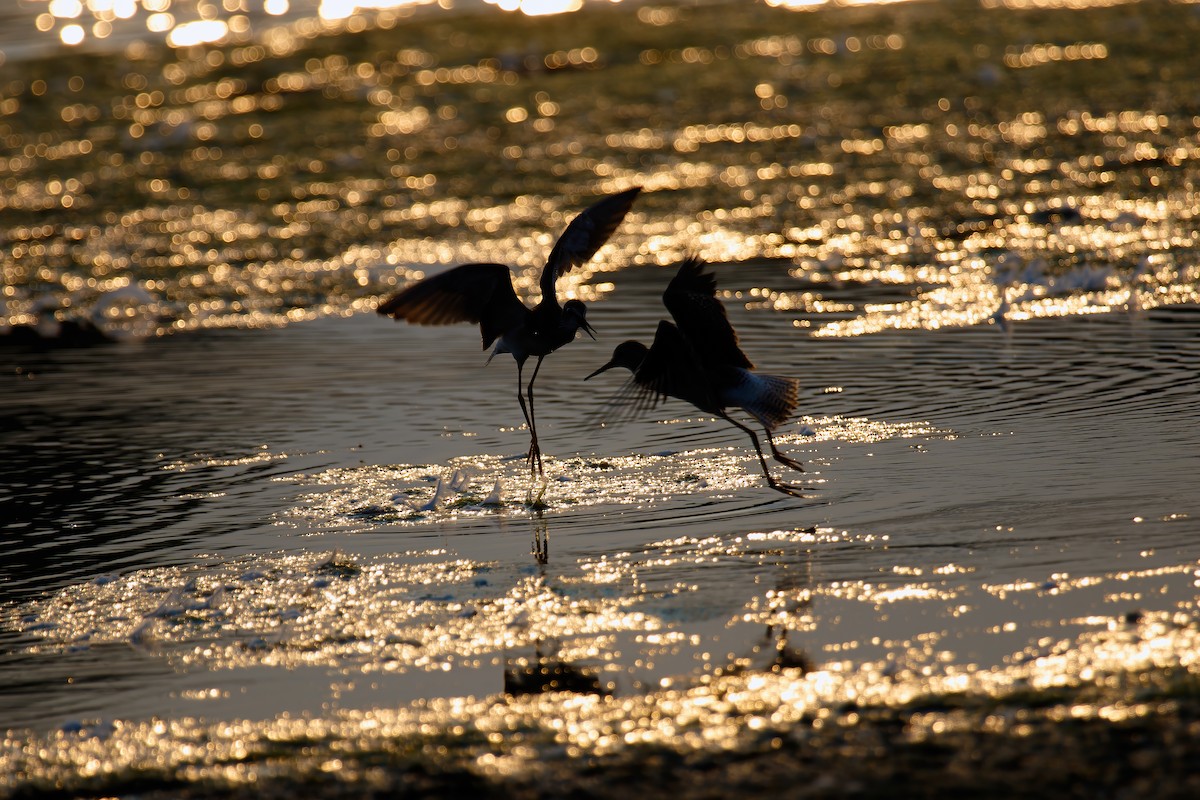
(691, 297)
(671, 369)
(674, 368)
(481, 293)
(631, 400)
(586, 234)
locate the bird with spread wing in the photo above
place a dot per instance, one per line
(484, 294)
(697, 359)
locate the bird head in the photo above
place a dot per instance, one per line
(575, 316)
(629, 355)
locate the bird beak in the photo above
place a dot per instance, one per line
(605, 368)
(588, 329)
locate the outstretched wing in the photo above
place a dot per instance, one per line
(691, 297)
(630, 401)
(586, 234)
(671, 369)
(481, 293)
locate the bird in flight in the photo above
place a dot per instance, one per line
(484, 294)
(697, 359)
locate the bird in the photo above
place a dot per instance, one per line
(483, 293)
(697, 359)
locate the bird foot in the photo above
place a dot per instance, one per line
(786, 488)
(789, 462)
(538, 501)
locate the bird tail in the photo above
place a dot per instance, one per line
(768, 398)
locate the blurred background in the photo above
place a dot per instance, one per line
(175, 166)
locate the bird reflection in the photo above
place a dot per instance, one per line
(697, 359)
(484, 294)
(770, 653)
(546, 671)
(789, 612)
(541, 673)
(793, 596)
(541, 539)
(781, 655)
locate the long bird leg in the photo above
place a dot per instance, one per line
(787, 461)
(778, 486)
(535, 452)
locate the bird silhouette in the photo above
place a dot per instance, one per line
(697, 359)
(484, 294)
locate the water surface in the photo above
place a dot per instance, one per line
(968, 231)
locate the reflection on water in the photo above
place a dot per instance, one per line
(187, 23)
(556, 710)
(1002, 556)
(294, 175)
(238, 557)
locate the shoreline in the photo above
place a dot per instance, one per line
(1142, 738)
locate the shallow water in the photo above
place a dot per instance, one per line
(224, 517)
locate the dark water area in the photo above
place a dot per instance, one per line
(260, 539)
